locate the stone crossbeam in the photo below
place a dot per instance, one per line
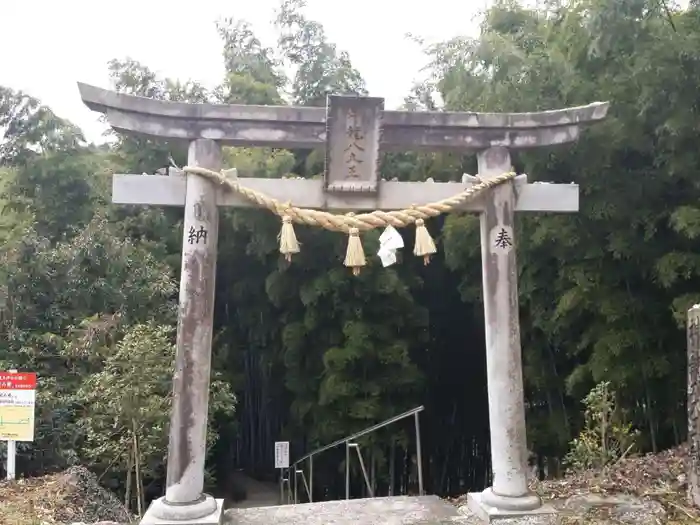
(170, 190)
(305, 127)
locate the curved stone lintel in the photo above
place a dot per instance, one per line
(306, 135)
(230, 132)
(305, 127)
(101, 100)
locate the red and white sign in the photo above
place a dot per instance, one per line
(17, 402)
(17, 380)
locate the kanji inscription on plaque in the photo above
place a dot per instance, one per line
(352, 146)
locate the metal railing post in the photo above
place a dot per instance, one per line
(306, 485)
(281, 486)
(364, 470)
(295, 484)
(392, 467)
(419, 456)
(347, 470)
(311, 479)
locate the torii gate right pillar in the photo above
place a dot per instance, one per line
(509, 495)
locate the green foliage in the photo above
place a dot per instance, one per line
(605, 438)
(35, 184)
(54, 289)
(28, 128)
(252, 75)
(321, 69)
(125, 407)
(588, 281)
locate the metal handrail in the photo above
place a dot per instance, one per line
(360, 433)
(310, 456)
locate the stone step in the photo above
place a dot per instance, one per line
(397, 510)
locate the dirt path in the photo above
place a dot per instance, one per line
(258, 493)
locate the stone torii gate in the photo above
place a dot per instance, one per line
(351, 183)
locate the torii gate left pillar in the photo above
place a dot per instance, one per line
(351, 183)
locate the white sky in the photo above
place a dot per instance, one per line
(46, 46)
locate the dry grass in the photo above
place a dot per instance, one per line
(72, 496)
(658, 477)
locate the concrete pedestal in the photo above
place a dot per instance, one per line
(529, 509)
(207, 512)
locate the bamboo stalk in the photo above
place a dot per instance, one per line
(129, 481)
(140, 503)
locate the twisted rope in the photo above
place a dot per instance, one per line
(351, 223)
(344, 223)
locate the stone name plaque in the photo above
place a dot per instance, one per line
(352, 143)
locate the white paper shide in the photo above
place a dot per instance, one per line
(389, 241)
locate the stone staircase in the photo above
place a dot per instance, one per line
(397, 510)
(295, 485)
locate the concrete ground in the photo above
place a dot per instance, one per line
(399, 510)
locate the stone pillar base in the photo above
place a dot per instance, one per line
(209, 511)
(482, 504)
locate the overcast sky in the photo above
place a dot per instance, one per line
(46, 46)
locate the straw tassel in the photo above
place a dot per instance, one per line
(288, 239)
(355, 256)
(425, 246)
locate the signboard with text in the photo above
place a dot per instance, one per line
(17, 402)
(281, 454)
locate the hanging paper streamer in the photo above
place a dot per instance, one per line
(389, 241)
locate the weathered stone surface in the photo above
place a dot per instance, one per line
(400, 510)
(99, 523)
(187, 445)
(305, 127)
(533, 514)
(164, 190)
(503, 351)
(183, 499)
(430, 510)
(618, 509)
(353, 133)
(694, 405)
